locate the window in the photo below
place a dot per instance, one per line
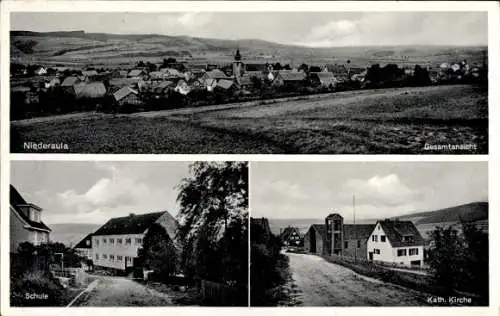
(378, 227)
(112, 241)
(97, 242)
(375, 238)
(408, 238)
(111, 257)
(359, 243)
(128, 259)
(346, 244)
(104, 240)
(96, 256)
(138, 241)
(128, 241)
(119, 258)
(413, 251)
(119, 240)
(401, 252)
(87, 242)
(382, 238)
(376, 251)
(105, 256)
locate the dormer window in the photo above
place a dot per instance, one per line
(34, 215)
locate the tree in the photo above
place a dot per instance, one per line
(304, 67)
(141, 64)
(277, 66)
(213, 206)
(159, 252)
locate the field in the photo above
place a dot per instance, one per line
(388, 121)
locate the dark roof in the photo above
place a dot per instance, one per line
(83, 243)
(319, 228)
(292, 76)
(358, 231)
(132, 224)
(262, 222)
(122, 93)
(289, 231)
(16, 200)
(395, 230)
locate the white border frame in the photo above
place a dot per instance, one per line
(277, 6)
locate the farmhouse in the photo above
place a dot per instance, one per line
(136, 73)
(93, 90)
(336, 238)
(26, 223)
(115, 245)
(127, 95)
(291, 236)
(397, 242)
(289, 79)
(84, 247)
(323, 79)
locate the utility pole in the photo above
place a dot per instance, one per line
(355, 232)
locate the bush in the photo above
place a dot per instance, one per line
(39, 283)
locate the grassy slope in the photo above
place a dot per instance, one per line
(108, 50)
(468, 212)
(384, 121)
(388, 121)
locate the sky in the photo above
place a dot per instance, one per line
(299, 190)
(315, 29)
(94, 192)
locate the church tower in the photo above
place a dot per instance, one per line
(237, 67)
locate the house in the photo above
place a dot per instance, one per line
(127, 96)
(92, 90)
(340, 72)
(291, 236)
(214, 74)
(289, 79)
(136, 73)
(84, 247)
(69, 83)
(182, 87)
(54, 82)
(162, 87)
(225, 84)
(41, 71)
(396, 242)
(313, 239)
(210, 84)
(336, 238)
(26, 223)
(89, 75)
(115, 245)
(324, 79)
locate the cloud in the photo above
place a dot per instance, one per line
(381, 191)
(194, 20)
(105, 193)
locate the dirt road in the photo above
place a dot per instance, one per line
(119, 291)
(320, 283)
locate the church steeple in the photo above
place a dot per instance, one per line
(237, 56)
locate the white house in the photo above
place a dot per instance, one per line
(397, 242)
(26, 223)
(116, 243)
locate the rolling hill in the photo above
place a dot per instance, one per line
(81, 48)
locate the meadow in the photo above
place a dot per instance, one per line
(385, 121)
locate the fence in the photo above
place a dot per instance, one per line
(219, 294)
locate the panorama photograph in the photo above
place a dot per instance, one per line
(128, 234)
(249, 82)
(369, 234)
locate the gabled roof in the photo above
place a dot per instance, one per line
(324, 77)
(395, 230)
(215, 74)
(122, 93)
(337, 69)
(320, 229)
(91, 90)
(361, 232)
(83, 243)
(292, 76)
(135, 72)
(89, 73)
(69, 81)
(288, 231)
(132, 224)
(17, 200)
(225, 84)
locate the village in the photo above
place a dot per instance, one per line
(38, 90)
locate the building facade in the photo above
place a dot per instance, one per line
(26, 223)
(84, 247)
(115, 245)
(396, 242)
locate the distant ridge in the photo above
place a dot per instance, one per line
(470, 212)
